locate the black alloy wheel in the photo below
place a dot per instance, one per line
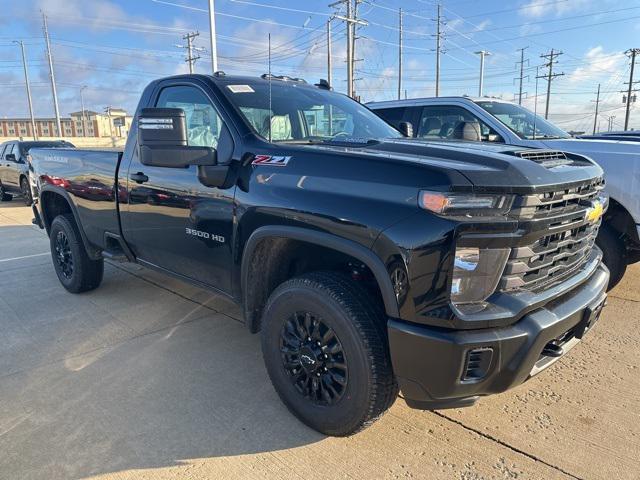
(325, 348)
(76, 271)
(25, 189)
(314, 359)
(64, 257)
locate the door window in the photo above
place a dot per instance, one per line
(203, 122)
(392, 116)
(452, 123)
(327, 121)
(9, 149)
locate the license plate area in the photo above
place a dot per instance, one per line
(590, 316)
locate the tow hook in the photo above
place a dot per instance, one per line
(552, 350)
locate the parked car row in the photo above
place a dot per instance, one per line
(14, 167)
(489, 120)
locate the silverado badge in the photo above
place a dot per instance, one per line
(595, 211)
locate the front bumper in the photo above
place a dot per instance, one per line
(433, 365)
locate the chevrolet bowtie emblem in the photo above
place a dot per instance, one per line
(595, 211)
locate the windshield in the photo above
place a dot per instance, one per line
(301, 114)
(523, 122)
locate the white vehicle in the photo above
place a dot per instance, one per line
(497, 121)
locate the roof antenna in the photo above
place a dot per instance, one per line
(270, 112)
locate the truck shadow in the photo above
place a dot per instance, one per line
(128, 377)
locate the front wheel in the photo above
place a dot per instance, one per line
(25, 189)
(613, 254)
(76, 271)
(325, 348)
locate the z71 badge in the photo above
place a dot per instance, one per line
(272, 160)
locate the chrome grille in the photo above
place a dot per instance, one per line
(562, 247)
(557, 201)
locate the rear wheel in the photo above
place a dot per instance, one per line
(76, 271)
(26, 191)
(614, 254)
(325, 348)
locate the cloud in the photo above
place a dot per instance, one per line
(540, 8)
(597, 63)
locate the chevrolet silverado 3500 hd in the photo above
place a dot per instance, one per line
(369, 262)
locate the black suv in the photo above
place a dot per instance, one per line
(14, 167)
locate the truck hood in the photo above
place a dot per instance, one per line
(496, 168)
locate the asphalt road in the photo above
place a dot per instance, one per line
(148, 377)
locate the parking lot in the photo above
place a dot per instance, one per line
(148, 377)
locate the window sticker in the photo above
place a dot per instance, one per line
(240, 88)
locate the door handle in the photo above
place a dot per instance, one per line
(139, 177)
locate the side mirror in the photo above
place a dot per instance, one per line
(163, 140)
(406, 129)
(494, 138)
(10, 157)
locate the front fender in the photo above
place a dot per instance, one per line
(327, 240)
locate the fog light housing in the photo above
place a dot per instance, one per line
(477, 363)
(476, 272)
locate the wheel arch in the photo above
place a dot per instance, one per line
(55, 201)
(619, 219)
(253, 299)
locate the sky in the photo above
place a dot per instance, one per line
(115, 47)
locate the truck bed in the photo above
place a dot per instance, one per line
(88, 179)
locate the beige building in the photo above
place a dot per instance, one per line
(112, 123)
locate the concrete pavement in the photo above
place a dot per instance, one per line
(148, 377)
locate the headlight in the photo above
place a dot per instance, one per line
(464, 204)
(476, 273)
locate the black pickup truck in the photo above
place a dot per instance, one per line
(369, 262)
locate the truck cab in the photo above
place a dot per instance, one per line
(494, 121)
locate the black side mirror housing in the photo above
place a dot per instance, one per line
(163, 140)
(10, 157)
(406, 129)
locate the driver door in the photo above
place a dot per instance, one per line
(172, 221)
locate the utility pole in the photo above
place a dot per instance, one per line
(349, 49)
(51, 75)
(351, 20)
(191, 59)
(482, 53)
(550, 75)
(84, 116)
(26, 81)
(595, 118)
(329, 60)
(399, 53)
(438, 48)
(522, 76)
(212, 34)
(631, 53)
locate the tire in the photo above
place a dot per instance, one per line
(76, 271)
(355, 362)
(614, 254)
(26, 191)
(4, 196)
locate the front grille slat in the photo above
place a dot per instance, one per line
(564, 244)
